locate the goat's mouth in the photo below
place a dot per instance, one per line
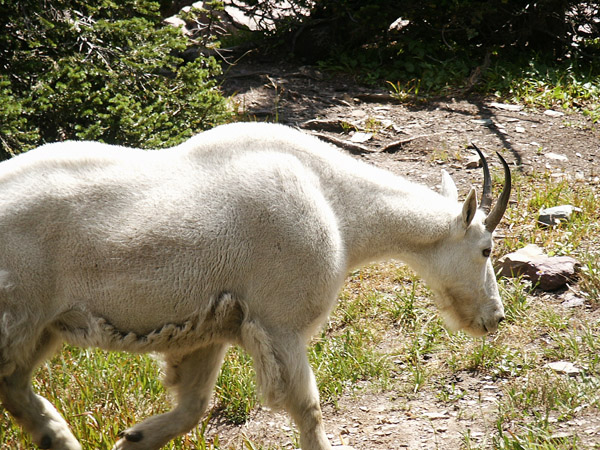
(457, 318)
(474, 326)
(479, 328)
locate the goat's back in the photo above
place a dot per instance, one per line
(144, 238)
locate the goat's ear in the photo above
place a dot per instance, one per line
(469, 208)
(448, 187)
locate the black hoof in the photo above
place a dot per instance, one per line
(46, 442)
(131, 436)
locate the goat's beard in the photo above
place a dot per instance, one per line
(456, 320)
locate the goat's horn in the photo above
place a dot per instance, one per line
(494, 217)
(486, 197)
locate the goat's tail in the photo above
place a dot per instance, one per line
(269, 366)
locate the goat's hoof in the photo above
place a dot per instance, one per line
(46, 442)
(131, 436)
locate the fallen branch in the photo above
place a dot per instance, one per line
(397, 145)
(353, 148)
(323, 125)
(371, 97)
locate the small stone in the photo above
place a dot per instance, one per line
(553, 216)
(520, 129)
(563, 367)
(552, 113)
(360, 137)
(473, 162)
(556, 156)
(562, 436)
(572, 301)
(486, 122)
(506, 106)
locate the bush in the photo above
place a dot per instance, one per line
(437, 42)
(559, 26)
(104, 70)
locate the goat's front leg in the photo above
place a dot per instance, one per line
(192, 376)
(33, 412)
(302, 402)
(286, 380)
(36, 414)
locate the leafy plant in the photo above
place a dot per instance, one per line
(104, 70)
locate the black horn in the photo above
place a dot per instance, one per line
(486, 197)
(494, 217)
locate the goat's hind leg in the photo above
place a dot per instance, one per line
(33, 412)
(286, 380)
(192, 377)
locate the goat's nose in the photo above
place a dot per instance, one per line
(493, 321)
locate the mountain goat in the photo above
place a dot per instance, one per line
(241, 235)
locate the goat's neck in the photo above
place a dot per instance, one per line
(383, 216)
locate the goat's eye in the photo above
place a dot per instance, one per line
(487, 252)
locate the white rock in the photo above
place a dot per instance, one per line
(553, 216)
(556, 156)
(564, 367)
(486, 122)
(572, 301)
(473, 162)
(506, 106)
(360, 137)
(552, 113)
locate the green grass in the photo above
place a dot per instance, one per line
(529, 80)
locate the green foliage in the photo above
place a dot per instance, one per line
(542, 53)
(102, 70)
(236, 387)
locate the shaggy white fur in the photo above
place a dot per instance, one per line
(243, 234)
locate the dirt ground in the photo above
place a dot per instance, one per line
(415, 140)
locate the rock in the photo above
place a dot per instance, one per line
(556, 156)
(572, 301)
(506, 106)
(552, 113)
(520, 129)
(486, 122)
(473, 162)
(545, 272)
(360, 137)
(562, 436)
(564, 367)
(398, 24)
(553, 216)
(177, 22)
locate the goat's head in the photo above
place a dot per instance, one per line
(460, 270)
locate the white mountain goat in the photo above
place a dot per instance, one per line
(242, 235)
